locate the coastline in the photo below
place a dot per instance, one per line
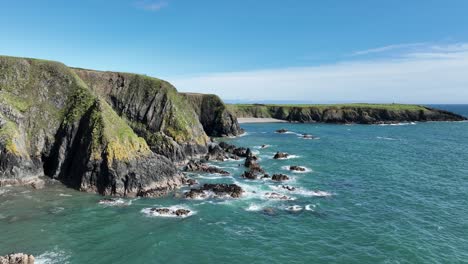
(252, 120)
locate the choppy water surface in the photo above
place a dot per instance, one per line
(395, 194)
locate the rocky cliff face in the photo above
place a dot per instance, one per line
(359, 113)
(53, 124)
(216, 118)
(154, 110)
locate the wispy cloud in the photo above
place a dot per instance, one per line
(388, 48)
(152, 5)
(429, 74)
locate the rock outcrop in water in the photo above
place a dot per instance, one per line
(19, 258)
(112, 133)
(344, 114)
(216, 118)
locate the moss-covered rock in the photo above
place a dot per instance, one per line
(154, 109)
(52, 123)
(216, 118)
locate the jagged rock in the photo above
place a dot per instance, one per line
(219, 190)
(249, 175)
(297, 168)
(281, 155)
(279, 177)
(282, 131)
(18, 258)
(240, 152)
(197, 166)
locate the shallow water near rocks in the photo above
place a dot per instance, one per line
(395, 194)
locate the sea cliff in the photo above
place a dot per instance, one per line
(346, 113)
(112, 133)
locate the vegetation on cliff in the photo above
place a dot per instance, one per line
(345, 113)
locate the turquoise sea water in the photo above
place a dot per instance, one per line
(399, 194)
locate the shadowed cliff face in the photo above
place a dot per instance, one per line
(51, 123)
(359, 113)
(213, 114)
(154, 109)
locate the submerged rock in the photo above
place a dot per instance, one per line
(197, 166)
(218, 190)
(277, 196)
(114, 202)
(289, 188)
(297, 168)
(281, 155)
(308, 136)
(282, 131)
(18, 258)
(170, 212)
(279, 177)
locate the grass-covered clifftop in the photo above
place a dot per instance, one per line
(345, 113)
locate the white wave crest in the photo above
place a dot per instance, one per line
(52, 257)
(294, 208)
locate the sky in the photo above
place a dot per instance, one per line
(310, 51)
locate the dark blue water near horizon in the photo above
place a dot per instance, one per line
(461, 109)
(371, 194)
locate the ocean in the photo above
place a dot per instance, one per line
(371, 194)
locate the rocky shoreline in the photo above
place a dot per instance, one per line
(124, 135)
(18, 258)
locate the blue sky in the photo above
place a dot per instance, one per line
(314, 51)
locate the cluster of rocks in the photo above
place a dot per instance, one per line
(224, 151)
(198, 166)
(280, 177)
(170, 212)
(255, 170)
(217, 190)
(18, 258)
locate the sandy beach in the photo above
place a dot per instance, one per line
(259, 120)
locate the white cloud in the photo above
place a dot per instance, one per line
(152, 5)
(388, 48)
(436, 74)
